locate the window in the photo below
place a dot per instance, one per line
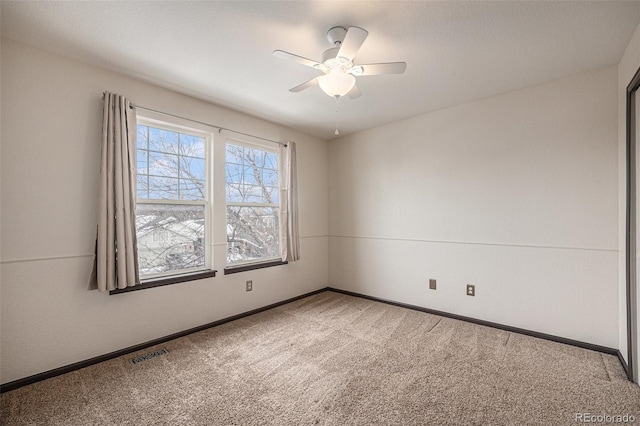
(252, 193)
(173, 210)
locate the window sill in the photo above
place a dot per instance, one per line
(158, 282)
(250, 267)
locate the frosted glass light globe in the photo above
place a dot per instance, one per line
(336, 82)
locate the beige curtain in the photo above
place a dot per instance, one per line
(116, 261)
(289, 238)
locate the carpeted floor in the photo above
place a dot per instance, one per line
(332, 359)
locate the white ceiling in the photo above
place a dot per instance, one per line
(220, 51)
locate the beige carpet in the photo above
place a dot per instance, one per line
(332, 359)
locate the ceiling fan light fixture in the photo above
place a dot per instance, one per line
(336, 82)
(357, 70)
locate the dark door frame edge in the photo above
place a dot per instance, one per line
(630, 236)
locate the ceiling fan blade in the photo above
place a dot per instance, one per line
(299, 59)
(304, 85)
(354, 92)
(377, 69)
(352, 42)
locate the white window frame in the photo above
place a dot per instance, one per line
(173, 126)
(267, 148)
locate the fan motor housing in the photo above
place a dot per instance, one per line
(336, 35)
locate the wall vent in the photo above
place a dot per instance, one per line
(147, 357)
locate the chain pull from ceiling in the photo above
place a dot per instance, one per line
(337, 132)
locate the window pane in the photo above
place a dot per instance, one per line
(234, 193)
(162, 188)
(247, 165)
(163, 140)
(249, 155)
(234, 154)
(192, 146)
(271, 161)
(239, 193)
(192, 189)
(172, 175)
(142, 160)
(233, 173)
(142, 186)
(170, 237)
(192, 168)
(254, 194)
(260, 194)
(142, 140)
(271, 195)
(270, 177)
(163, 164)
(252, 233)
(255, 157)
(250, 174)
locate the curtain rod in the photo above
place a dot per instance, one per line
(202, 122)
(220, 128)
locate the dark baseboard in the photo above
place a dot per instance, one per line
(553, 338)
(86, 363)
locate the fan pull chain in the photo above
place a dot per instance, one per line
(337, 132)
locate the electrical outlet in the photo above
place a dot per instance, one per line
(432, 284)
(249, 285)
(471, 290)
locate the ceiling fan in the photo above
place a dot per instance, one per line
(339, 71)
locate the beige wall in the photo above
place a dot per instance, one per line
(516, 194)
(51, 116)
(627, 68)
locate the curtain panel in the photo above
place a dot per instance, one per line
(289, 236)
(116, 258)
